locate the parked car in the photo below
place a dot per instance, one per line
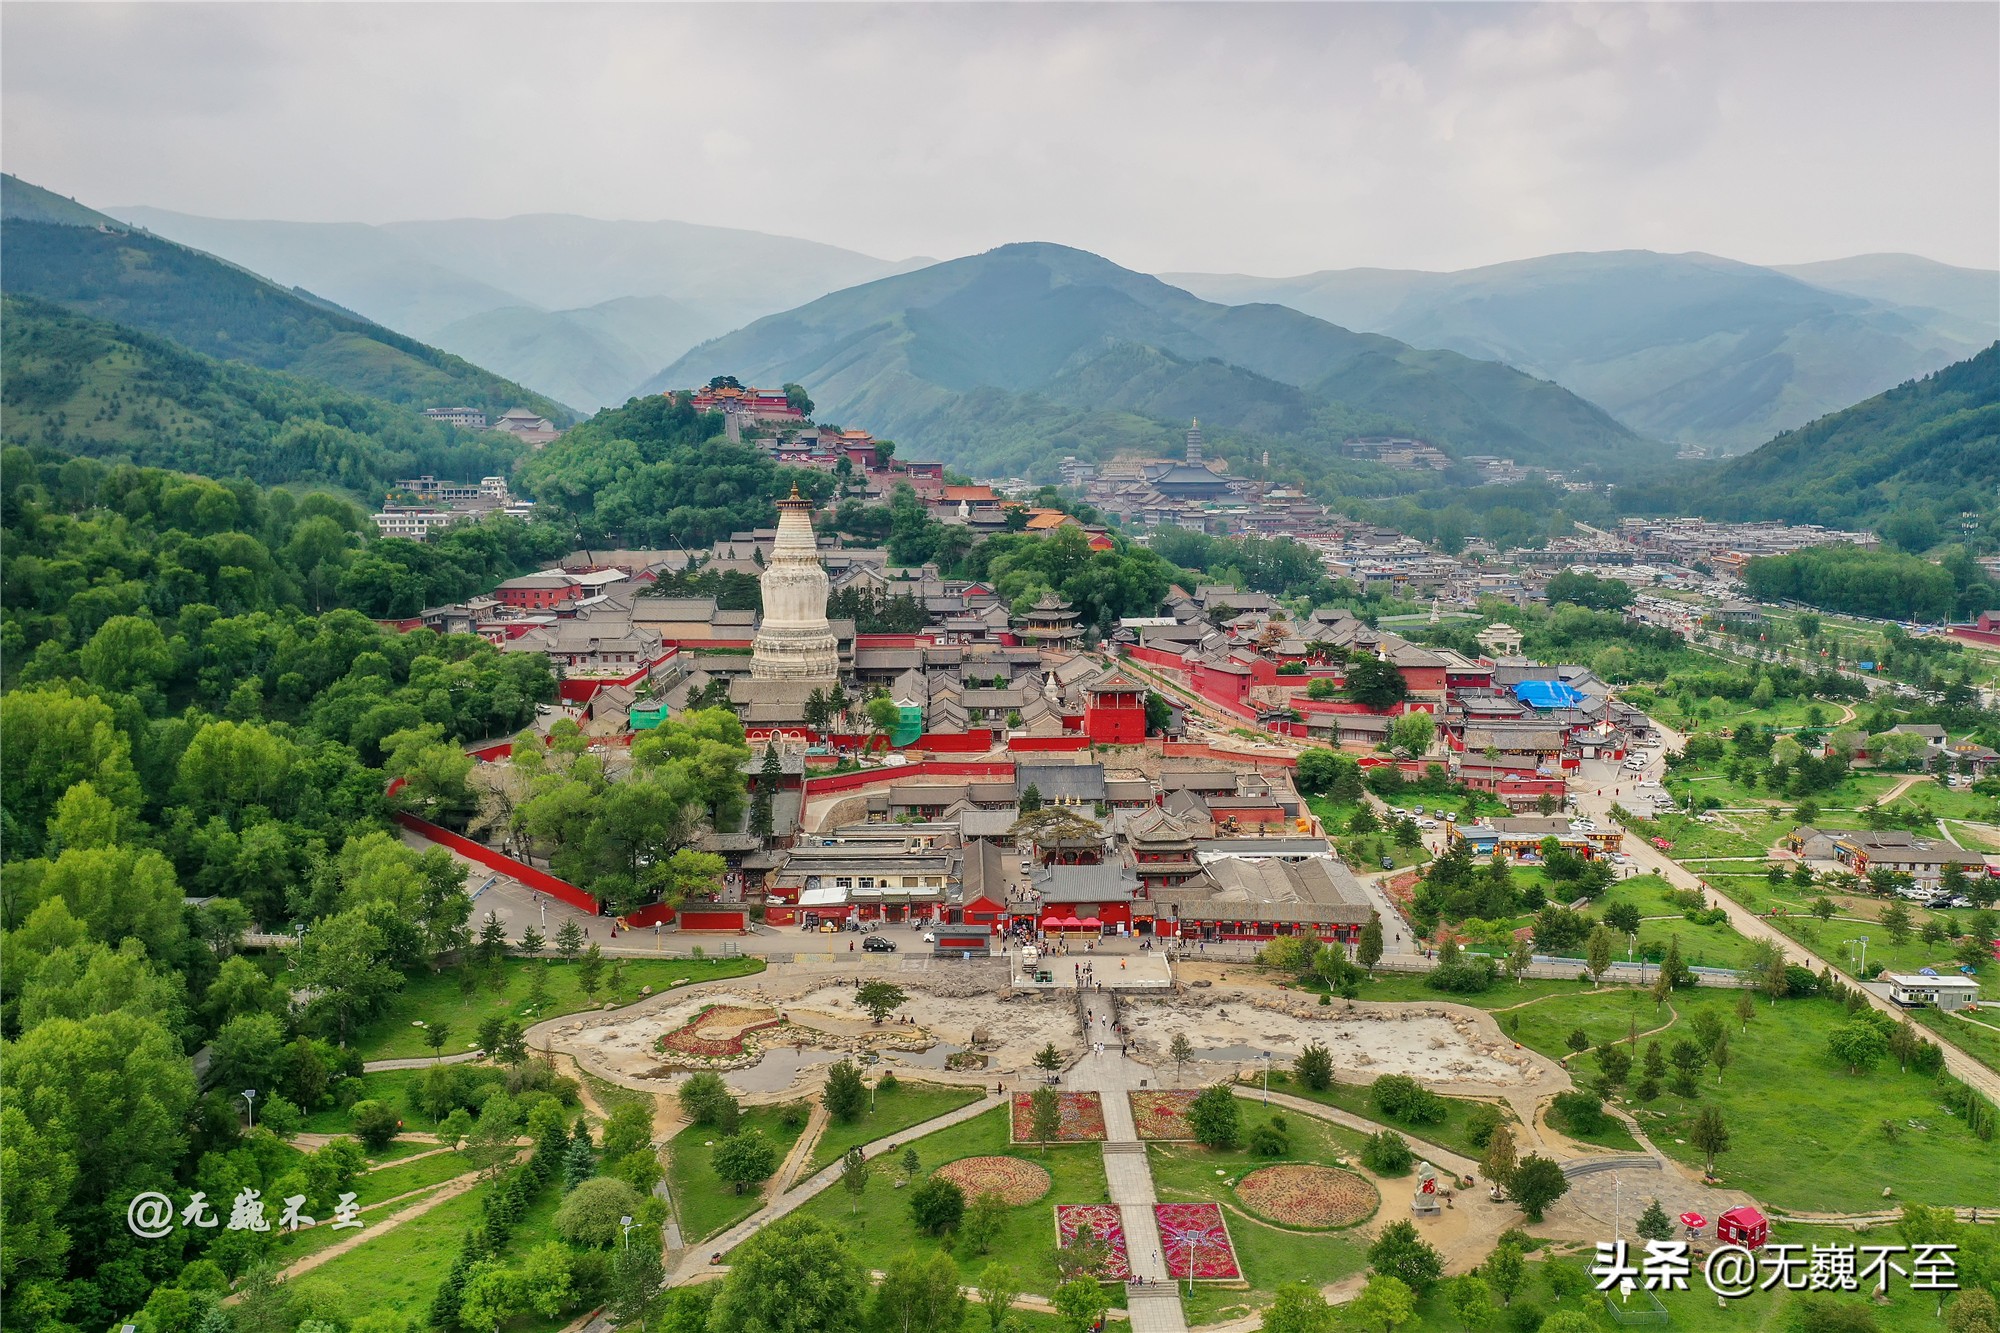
(1388, 863)
(878, 944)
(1451, 816)
(1416, 809)
(1427, 823)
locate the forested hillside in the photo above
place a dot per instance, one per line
(92, 388)
(655, 473)
(220, 310)
(86, 542)
(1064, 352)
(1910, 461)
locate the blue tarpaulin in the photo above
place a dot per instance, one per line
(1547, 694)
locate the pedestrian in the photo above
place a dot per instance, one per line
(850, 946)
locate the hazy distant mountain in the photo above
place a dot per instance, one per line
(1684, 347)
(96, 267)
(1972, 294)
(474, 285)
(1046, 325)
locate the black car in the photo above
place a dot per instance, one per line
(879, 944)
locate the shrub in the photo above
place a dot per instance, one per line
(1403, 1098)
(1212, 1116)
(1269, 1141)
(590, 1212)
(1480, 1123)
(1467, 974)
(1387, 1154)
(1580, 1112)
(888, 1082)
(937, 1206)
(375, 1124)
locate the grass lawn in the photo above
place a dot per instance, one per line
(705, 1202)
(1975, 838)
(1724, 837)
(1982, 1043)
(400, 1271)
(878, 1225)
(1385, 986)
(1938, 801)
(908, 1103)
(437, 997)
(1806, 1135)
(1269, 1255)
(1451, 1132)
(389, 1181)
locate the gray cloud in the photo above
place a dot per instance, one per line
(1260, 138)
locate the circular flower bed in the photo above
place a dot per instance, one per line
(1308, 1196)
(1016, 1182)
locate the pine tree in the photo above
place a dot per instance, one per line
(1653, 1223)
(1369, 951)
(569, 941)
(580, 1161)
(766, 786)
(445, 1304)
(492, 940)
(551, 1151)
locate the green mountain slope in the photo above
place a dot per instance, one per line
(91, 388)
(1688, 347)
(220, 310)
(1931, 447)
(1058, 328)
(31, 203)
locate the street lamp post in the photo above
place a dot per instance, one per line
(1267, 1078)
(625, 1231)
(250, 1100)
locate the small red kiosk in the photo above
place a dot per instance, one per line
(1743, 1226)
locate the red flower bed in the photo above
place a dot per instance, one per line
(1195, 1230)
(1081, 1114)
(737, 1024)
(1307, 1196)
(1162, 1114)
(1106, 1225)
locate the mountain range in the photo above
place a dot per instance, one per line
(582, 309)
(59, 251)
(1031, 331)
(1689, 348)
(1926, 452)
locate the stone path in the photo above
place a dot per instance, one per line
(1155, 1306)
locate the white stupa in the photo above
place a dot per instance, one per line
(794, 641)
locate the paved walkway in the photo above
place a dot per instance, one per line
(1128, 1171)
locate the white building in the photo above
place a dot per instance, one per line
(1914, 990)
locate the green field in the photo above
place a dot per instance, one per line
(909, 1103)
(399, 1271)
(878, 1225)
(390, 1085)
(704, 1201)
(1269, 1255)
(1451, 1132)
(389, 1181)
(438, 997)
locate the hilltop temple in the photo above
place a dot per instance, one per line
(794, 641)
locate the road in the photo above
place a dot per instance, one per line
(1754, 927)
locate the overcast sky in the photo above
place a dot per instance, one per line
(1262, 139)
